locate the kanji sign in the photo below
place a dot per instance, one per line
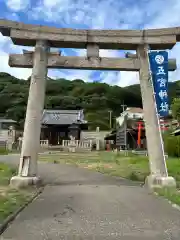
(159, 69)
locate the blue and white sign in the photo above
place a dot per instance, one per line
(159, 70)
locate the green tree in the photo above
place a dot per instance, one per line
(175, 107)
(95, 98)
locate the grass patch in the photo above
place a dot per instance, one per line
(6, 172)
(173, 165)
(171, 194)
(3, 151)
(11, 199)
(133, 167)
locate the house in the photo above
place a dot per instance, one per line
(129, 134)
(176, 132)
(131, 128)
(58, 125)
(133, 113)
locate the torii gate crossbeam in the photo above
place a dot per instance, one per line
(63, 62)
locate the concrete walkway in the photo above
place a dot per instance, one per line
(80, 204)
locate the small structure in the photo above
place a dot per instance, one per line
(5, 123)
(129, 135)
(7, 133)
(59, 125)
(135, 128)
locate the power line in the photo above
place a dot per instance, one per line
(123, 106)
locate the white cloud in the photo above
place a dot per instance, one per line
(7, 45)
(128, 78)
(17, 72)
(17, 5)
(71, 75)
(94, 14)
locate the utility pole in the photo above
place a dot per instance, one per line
(125, 126)
(110, 119)
(123, 106)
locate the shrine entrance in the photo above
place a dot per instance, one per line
(44, 37)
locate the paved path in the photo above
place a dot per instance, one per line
(80, 204)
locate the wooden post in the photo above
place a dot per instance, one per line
(153, 134)
(35, 106)
(139, 134)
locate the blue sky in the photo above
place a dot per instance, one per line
(90, 14)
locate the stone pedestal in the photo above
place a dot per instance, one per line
(22, 182)
(153, 181)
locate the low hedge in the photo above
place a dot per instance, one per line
(172, 145)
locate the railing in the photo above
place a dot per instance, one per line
(77, 143)
(44, 143)
(67, 143)
(80, 144)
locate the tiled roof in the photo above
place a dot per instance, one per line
(176, 132)
(5, 120)
(62, 117)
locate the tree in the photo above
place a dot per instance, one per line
(95, 98)
(175, 107)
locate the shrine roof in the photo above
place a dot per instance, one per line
(134, 110)
(7, 120)
(63, 117)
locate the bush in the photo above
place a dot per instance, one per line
(172, 145)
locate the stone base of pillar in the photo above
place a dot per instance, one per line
(154, 181)
(22, 182)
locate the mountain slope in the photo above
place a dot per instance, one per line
(95, 98)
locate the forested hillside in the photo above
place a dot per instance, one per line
(95, 98)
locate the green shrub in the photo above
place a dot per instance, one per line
(172, 145)
(133, 176)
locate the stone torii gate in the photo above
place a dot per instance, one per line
(43, 38)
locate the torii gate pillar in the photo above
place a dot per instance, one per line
(27, 174)
(158, 170)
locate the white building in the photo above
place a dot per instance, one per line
(131, 113)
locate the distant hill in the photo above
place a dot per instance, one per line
(95, 98)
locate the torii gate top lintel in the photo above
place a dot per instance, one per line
(27, 34)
